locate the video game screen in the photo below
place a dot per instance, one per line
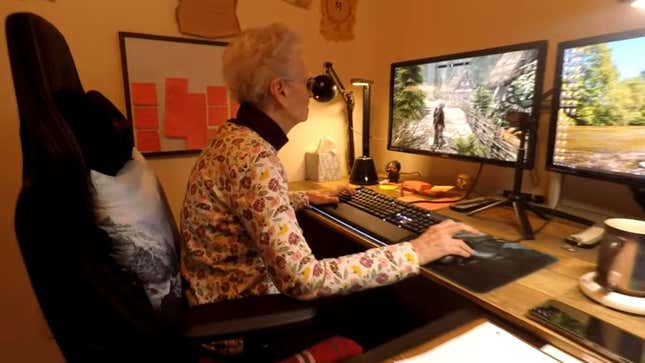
(598, 121)
(455, 105)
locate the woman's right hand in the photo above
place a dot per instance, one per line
(437, 241)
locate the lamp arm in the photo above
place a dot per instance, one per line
(350, 138)
(348, 97)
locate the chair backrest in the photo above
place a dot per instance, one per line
(94, 309)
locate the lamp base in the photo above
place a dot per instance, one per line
(363, 172)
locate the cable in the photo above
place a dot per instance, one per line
(540, 228)
(546, 99)
(475, 180)
(535, 176)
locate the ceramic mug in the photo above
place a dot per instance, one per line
(621, 258)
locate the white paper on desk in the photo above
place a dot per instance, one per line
(484, 343)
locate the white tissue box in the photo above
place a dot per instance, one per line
(322, 166)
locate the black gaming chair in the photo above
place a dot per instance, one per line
(96, 312)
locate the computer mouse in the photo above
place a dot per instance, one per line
(471, 237)
(464, 234)
(483, 245)
(451, 260)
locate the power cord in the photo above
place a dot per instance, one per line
(535, 177)
(475, 180)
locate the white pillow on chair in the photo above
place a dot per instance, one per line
(131, 210)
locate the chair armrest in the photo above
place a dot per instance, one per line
(233, 318)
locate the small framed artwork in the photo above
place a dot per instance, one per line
(174, 90)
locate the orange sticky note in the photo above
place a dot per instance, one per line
(148, 141)
(144, 94)
(195, 121)
(175, 111)
(217, 115)
(217, 95)
(146, 118)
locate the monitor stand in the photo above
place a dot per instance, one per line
(515, 197)
(520, 206)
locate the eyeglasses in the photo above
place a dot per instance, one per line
(309, 82)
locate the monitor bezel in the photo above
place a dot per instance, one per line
(610, 176)
(539, 45)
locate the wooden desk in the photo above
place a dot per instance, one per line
(511, 302)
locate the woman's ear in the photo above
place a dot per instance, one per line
(278, 90)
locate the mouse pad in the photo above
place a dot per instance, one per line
(495, 263)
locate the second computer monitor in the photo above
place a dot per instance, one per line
(598, 117)
(455, 105)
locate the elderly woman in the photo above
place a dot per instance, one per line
(240, 233)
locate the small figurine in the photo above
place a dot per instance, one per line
(464, 181)
(393, 169)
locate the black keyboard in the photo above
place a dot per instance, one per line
(402, 214)
(377, 215)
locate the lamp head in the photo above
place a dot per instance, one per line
(323, 88)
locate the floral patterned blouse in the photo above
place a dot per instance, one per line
(240, 233)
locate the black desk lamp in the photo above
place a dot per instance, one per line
(324, 89)
(363, 170)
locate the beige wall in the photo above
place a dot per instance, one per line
(386, 31)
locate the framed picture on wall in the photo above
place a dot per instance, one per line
(174, 91)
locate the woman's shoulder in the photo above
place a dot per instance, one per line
(239, 142)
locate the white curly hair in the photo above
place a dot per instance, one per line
(255, 58)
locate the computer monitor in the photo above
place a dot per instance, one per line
(597, 125)
(454, 106)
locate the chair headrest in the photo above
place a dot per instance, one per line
(41, 65)
(41, 59)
